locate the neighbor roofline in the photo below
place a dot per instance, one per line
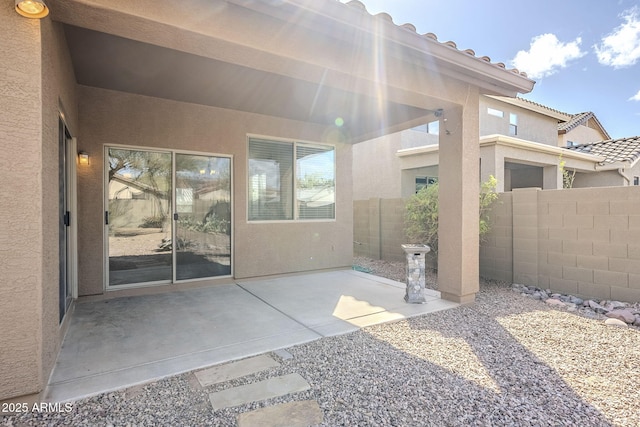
(534, 106)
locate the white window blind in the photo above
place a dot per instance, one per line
(272, 186)
(270, 180)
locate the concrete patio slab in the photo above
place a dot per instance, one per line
(121, 342)
(338, 302)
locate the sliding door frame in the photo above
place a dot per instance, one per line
(105, 226)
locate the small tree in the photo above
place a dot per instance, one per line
(568, 176)
(421, 213)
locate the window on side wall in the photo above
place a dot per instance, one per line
(425, 182)
(290, 181)
(513, 124)
(636, 180)
(494, 112)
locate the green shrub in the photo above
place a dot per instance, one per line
(421, 213)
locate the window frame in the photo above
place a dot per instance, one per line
(495, 112)
(294, 185)
(428, 181)
(513, 124)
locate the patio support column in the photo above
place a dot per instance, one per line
(458, 241)
(492, 164)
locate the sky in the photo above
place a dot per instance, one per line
(583, 54)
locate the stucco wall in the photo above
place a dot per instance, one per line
(21, 212)
(582, 135)
(376, 168)
(36, 78)
(59, 93)
(599, 179)
(109, 117)
(532, 126)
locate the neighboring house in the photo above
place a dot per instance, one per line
(220, 113)
(522, 144)
(619, 167)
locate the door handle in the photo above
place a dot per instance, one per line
(106, 217)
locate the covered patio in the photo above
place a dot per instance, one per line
(230, 83)
(117, 343)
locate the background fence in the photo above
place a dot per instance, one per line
(581, 241)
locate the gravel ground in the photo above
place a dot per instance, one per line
(506, 360)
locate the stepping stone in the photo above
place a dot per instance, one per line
(283, 354)
(233, 370)
(293, 414)
(267, 389)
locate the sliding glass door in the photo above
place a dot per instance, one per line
(203, 216)
(139, 216)
(168, 217)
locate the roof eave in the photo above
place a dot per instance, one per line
(494, 79)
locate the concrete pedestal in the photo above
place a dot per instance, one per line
(415, 273)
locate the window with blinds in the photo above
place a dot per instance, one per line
(290, 180)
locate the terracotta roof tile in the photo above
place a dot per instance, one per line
(410, 27)
(580, 119)
(613, 150)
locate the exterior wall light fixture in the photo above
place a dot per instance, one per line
(83, 158)
(32, 8)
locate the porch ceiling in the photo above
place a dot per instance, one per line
(117, 63)
(303, 60)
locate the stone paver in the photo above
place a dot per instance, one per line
(273, 387)
(292, 414)
(230, 371)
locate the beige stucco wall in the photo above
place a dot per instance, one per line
(36, 79)
(532, 126)
(58, 96)
(109, 117)
(21, 215)
(376, 169)
(609, 178)
(581, 135)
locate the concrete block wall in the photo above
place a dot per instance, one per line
(361, 228)
(583, 241)
(591, 242)
(379, 228)
(496, 250)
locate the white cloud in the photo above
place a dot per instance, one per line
(635, 97)
(621, 48)
(547, 55)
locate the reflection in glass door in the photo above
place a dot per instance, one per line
(203, 216)
(168, 217)
(138, 217)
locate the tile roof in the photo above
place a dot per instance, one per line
(580, 119)
(613, 150)
(410, 27)
(543, 106)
